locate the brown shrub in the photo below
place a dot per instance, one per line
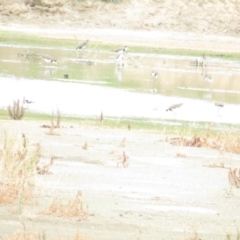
(70, 209)
(18, 162)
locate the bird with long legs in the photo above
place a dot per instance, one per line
(81, 46)
(208, 80)
(173, 107)
(219, 105)
(122, 50)
(119, 60)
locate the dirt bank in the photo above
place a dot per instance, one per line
(202, 24)
(166, 192)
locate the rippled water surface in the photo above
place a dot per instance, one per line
(89, 82)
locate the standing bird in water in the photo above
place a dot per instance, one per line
(219, 105)
(27, 101)
(47, 59)
(154, 74)
(174, 106)
(82, 45)
(121, 50)
(119, 60)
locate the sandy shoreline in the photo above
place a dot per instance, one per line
(167, 191)
(153, 38)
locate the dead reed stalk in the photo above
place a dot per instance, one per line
(45, 169)
(234, 177)
(124, 161)
(18, 162)
(85, 146)
(53, 125)
(122, 144)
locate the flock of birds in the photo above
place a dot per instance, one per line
(119, 62)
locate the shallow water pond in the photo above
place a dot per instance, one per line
(89, 82)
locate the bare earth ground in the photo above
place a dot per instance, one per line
(205, 25)
(160, 195)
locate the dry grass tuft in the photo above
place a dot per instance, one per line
(214, 165)
(101, 117)
(67, 210)
(25, 236)
(124, 161)
(129, 126)
(226, 141)
(234, 177)
(122, 144)
(18, 163)
(53, 125)
(45, 169)
(37, 236)
(85, 146)
(17, 110)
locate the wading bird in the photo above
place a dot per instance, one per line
(82, 45)
(28, 101)
(207, 78)
(219, 106)
(47, 59)
(174, 106)
(154, 74)
(121, 50)
(119, 60)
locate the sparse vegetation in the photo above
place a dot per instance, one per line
(124, 161)
(26, 234)
(225, 141)
(18, 163)
(17, 110)
(234, 177)
(45, 169)
(71, 209)
(85, 146)
(53, 125)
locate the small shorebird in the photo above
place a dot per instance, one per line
(48, 59)
(82, 45)
(174, 106)
(154, 74)
(119, 60)
(219, 106)
(122, 50)
(26, 101)
(207, 78)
